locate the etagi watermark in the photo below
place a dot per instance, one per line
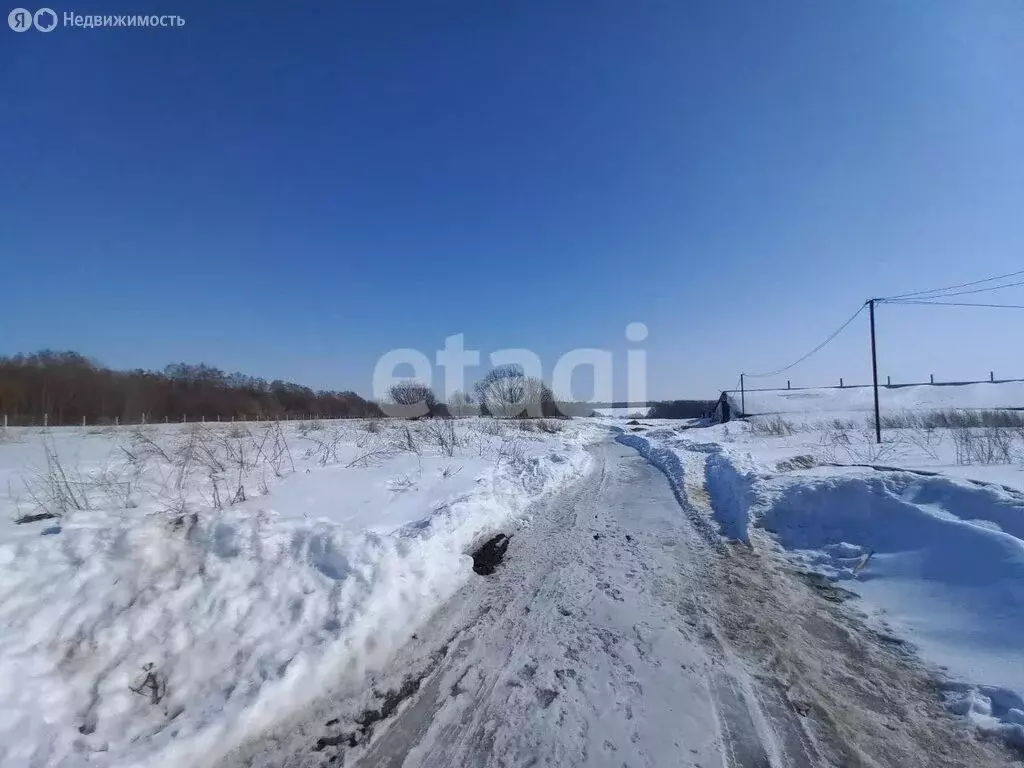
(47, 20)
(455, 359)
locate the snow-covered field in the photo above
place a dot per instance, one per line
(815, 402)
(926, 529)
(637, 412)
(166, 592)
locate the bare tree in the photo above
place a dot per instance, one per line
(460, 404)
(411, 399)
(507, 393)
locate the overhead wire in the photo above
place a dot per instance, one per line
(823, 344)
(957, 293)
(922, 302)
(923, 294)
(930, 297)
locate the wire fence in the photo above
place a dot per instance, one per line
(888, 384)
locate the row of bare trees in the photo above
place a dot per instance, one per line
(504, 392)
(67, 388)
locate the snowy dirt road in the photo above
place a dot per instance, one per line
(621, 631)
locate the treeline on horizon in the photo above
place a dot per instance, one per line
(65, 388)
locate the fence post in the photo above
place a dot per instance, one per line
(46, 419)
(931, 378)
(840, 382)
(888, 381)
(743, 398)
(992, 376)
(787, 383)
(83, 421)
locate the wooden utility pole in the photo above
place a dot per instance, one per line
(874, 373)
(743, 398)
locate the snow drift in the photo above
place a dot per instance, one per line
(936, 560)
(136, 634)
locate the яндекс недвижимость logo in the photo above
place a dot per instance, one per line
(46, 20)
(22, 20)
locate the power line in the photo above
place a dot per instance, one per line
(922, 302)
(922, 294)
(835, 333)
(959, 293)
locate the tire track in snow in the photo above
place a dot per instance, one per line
(860, 701)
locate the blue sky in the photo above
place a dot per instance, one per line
(293, 190)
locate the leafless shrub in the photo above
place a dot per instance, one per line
(305, 427)
(401, 484)
(492, 427)
(376, 450)
(988, 445)
(460, 404)
(925, 439)
(841, 425)
(410, 441)
(858, 446)
(144, 445)
(55, 491)
(372, 426)
(443, 433)
(954, 418)
(118, 486)
(274, 449)
(512, 452)
(903, 419)
(325, 446)
(549, 426)
(774, 427)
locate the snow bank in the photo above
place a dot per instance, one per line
(942, 561)
(936, 560)
(861, 399)
(731, 495)
(145, 635)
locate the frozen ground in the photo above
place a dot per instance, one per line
(622, 629)
(739, 595)
(170, 591)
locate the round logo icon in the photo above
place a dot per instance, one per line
(45, 20)
(20, 20)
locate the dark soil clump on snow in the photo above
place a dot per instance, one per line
(489, 556)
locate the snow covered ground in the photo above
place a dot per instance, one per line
(1009, 394)
(926, 530)
(636, 412)
(166, 592)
